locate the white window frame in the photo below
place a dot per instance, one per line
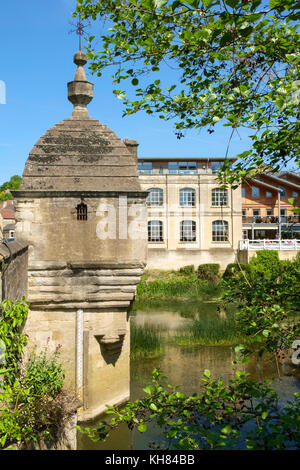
(220, 231)
(187, 197)
(155, 197)
(219, 197)
(155, 231)
(188, 231)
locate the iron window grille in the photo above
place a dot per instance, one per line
(82, 212)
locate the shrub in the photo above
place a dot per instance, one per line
(233, 268)
(190, 269)
(12, 340)
(33, 405)
(266, 263)
(44, 375)
(210, 272)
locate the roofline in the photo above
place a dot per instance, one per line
(292, 173)
(184, 159)
(276, 178)
(266, 184)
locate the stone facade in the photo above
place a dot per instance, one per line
(13, 271)
(171, 252)
(81, 210)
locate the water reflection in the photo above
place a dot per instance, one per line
(184, 367)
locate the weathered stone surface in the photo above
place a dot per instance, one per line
(75, 154)
(79, 267)
(13, 271)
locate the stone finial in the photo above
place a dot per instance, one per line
(80, 91)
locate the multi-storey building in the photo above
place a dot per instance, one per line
(191, 219)
(266, 208)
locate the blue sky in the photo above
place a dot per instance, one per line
(36, 64)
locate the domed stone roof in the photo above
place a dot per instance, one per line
(80, 153)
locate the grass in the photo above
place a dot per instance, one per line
(172, 285)
(213, 331)
(145, 341)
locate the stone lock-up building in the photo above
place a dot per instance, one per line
(82, 212)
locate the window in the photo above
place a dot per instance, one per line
(295, 194)
(256, 212)
(283, 212)
(219, 197)
(187, 231)
(182, 168)
(215, 166)
(255, 191)
(187, 197)
(220, 231)
(145, 168)
(269, 212)
(81, 211)
(243, 192)
(155, 197)
(244, 213)
(268, 194)
(155, 231)
(283, 191)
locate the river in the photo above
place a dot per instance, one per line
(183, 365)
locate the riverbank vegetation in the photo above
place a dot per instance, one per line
(266, 292)
(243, 414)
(145, 341)
(185, 284)
(34, 408)
(205, 331)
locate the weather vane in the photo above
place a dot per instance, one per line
(79, 29)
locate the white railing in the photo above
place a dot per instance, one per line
(269, 244)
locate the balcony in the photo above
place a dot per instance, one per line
(271, 219)
(269, 244)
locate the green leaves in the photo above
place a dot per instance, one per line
(232, 416)
(160, 3)
(142, 427)
(234, 49)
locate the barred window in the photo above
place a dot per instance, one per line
(82, 212)
(219, 197)
(155, 197)
(187, 231)
(187, 197)
(220, 231)
(155, 231)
